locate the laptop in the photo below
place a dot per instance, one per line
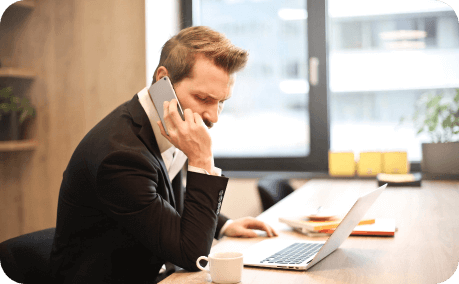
(301, 254)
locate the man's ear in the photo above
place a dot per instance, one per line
(161, 72)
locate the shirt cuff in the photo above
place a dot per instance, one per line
(217, 171)
(223, 229)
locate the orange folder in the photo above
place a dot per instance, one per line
(381, 227)
(317, 226)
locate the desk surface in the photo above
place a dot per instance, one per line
(425, 249)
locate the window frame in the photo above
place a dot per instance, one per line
(319, 118)
(317, 160)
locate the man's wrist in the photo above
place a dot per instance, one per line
(206, 164)
(224, 227)
(215, 171)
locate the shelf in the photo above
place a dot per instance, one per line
(20, 73)
(18, 145)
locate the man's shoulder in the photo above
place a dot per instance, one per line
(115, 133)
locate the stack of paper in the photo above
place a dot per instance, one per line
(375, 227)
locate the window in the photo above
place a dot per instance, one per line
(265, 125)
(374, 61)
(380, 65)
(269, 103)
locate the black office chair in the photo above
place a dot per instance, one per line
(26, 258)
(272, 189)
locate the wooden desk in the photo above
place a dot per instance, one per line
(425, 249)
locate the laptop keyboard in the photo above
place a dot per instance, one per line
(293, 254)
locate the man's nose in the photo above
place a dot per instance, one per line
(212, 113)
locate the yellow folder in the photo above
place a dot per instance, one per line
(341, 164)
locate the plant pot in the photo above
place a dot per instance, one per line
(24, 129)
(9, 126)
(440, 158)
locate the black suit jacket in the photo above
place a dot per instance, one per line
(119, 216)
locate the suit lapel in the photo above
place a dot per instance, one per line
(148, 138)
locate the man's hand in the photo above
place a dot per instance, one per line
(243, 228)
(190, 136)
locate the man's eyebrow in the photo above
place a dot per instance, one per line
(211, 96)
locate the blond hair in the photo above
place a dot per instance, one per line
(178, 53)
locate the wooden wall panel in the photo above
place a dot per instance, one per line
(89, 57)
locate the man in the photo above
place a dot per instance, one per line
(122, 209)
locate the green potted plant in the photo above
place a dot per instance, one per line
(438, 117)
(14, 112)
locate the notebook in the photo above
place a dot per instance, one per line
(302, 254)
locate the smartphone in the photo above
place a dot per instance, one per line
(160, 92)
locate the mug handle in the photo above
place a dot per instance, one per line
(199, 265)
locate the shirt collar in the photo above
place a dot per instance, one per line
(149, 107)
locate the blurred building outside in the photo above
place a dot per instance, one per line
(383, 56)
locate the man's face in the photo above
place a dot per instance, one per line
(206, 91)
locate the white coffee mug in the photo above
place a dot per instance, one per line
(225, 267)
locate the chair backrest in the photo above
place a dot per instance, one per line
(272, 189)
(26, 258)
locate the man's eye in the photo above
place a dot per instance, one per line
(205, 100)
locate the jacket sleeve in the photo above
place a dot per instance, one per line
(128, 187)
(221, 221)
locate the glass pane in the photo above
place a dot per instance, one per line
(385, 55)
(267, 115)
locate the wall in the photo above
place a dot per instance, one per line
(242, 198)
(162, 22)
(89, 57)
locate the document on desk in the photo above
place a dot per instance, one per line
(304, 223)
(380, 227)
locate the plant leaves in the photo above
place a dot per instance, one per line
(446, 123)
(5, 107)
(434, 101)
(6, 92)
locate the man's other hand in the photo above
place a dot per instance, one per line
(243, 227)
